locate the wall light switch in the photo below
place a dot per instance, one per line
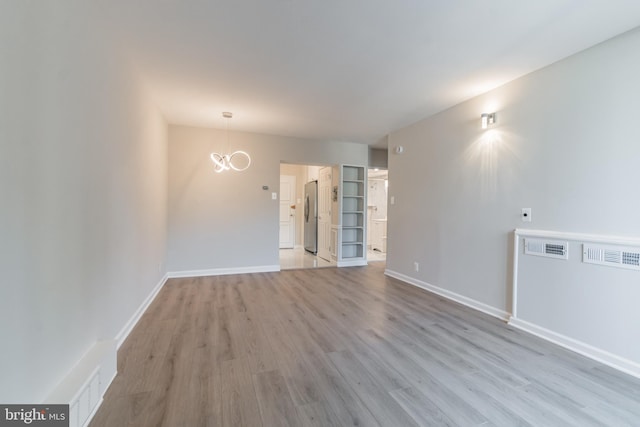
(526, 215)
(274, 196)
(393, 200)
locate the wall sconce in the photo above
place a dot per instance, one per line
(488, 119)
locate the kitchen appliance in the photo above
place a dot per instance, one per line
(311, 217)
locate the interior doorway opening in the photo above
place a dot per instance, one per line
(377, 196)
(305, 216)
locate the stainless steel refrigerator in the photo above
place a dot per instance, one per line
(311, 217)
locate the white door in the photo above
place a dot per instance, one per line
(287, 211)
(324, 213)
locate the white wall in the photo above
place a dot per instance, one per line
(565, 145)
(594, 304)
(220, 221)
(83, 186)
(378, 158)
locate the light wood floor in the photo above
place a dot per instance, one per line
(339, 347)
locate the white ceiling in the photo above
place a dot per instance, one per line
(350, 70)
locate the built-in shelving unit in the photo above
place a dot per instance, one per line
(353, 208)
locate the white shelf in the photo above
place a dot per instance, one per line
(352, 214)
(353, 173)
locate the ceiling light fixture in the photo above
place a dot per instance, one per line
(224, 162)
(488, 119)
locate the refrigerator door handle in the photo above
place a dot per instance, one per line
(306, 208)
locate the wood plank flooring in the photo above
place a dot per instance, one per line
(347, 347)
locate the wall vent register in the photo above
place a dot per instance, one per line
(547, 248)
(612, 256)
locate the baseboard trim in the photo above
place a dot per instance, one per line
(469, 302)
(621, 364)
(224, 271)
(355, 263)
(128, 327)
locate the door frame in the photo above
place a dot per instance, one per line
(324, 252)
(292, 215)
(299, 217)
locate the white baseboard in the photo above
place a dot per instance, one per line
(627, 366)
(128, 327)
(355, 263)
(224, 271)
(624, 365)
(469, 302)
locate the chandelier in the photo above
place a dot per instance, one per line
(224, 162)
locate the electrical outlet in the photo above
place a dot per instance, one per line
(526, 215)
(416, 266)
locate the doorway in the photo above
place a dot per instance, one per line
(377, 192)
(296, 257)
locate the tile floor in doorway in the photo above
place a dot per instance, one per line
(376, 255)
(291, 259)
(299, 258)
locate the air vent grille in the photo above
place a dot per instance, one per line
(547, 248)
(612, 256)
(552, 249)
(631, 258)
